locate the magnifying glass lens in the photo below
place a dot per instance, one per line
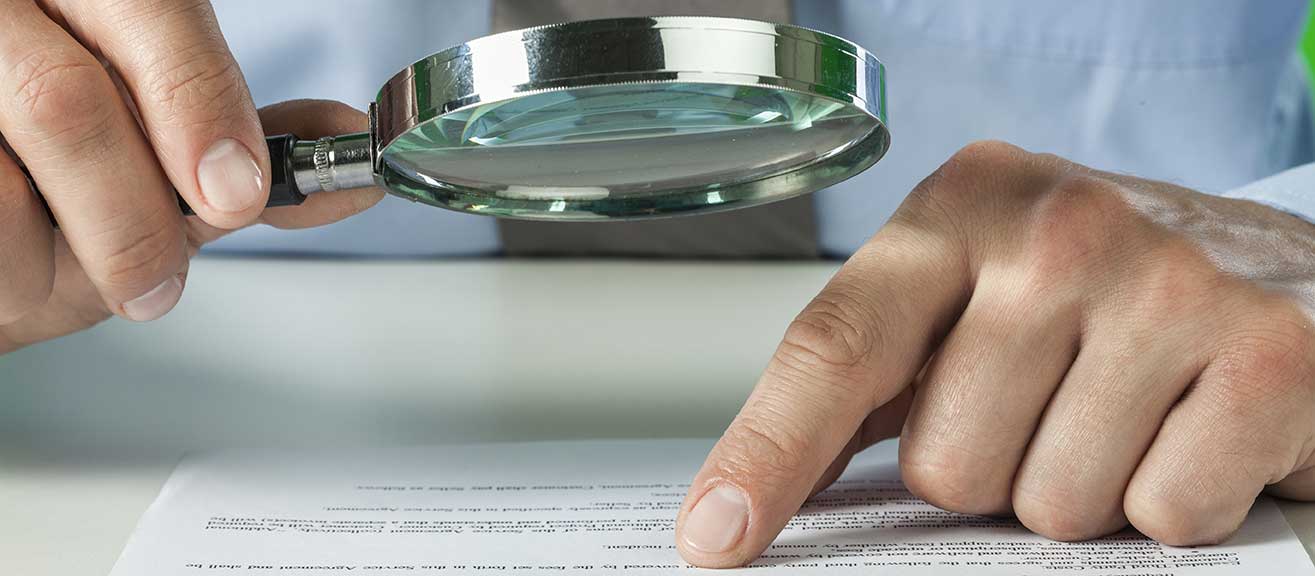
(630, 150)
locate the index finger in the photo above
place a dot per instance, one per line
(192, 99)
(855, 347)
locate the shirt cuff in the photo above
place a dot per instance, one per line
(1291, 191)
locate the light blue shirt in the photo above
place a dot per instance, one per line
(1209, 94)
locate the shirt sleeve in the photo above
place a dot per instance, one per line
(1291, 191)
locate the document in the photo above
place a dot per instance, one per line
(600, 508)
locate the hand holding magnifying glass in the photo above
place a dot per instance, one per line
(602, 120)
(610, 119)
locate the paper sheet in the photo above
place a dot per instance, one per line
(599, 508)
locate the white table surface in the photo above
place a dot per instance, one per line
(298, 353)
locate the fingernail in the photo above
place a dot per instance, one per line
(229, 176)
(718, 521)
(156, 303)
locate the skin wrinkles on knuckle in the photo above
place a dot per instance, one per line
(96, 143)
(190, 89)
(977, 196)
(86, 130)
(983, 159)
(1184, 515)
(950, 477)
(810, 362)
(795, 382)
(937, 452)
(933, 204)
(56, 93)
(1051, 512)
(163, 39)
(782, 405)
(762, 451)
(827, 338)
(1075, 231)
(939, 208)
(1103, 205)
(1170, 529)
(144, 248)
(1265, 366)
(838, 330)
(986, 172)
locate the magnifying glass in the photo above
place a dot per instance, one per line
(610, 120)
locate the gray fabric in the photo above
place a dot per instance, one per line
(779, 230)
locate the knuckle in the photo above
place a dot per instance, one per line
(196, 87)
(987, 153)
(1290, 342)
(1082, 202)
(94, 142)
(983, 183)
(830, 334)
(946, 196)
(1075, 225)
(147, 248)
(981, 168)
(932, 205)
(771, 451)
(1175, 520)
(187, 76)
(60, 96)
(952, 479)
(1268, 364)
(1051, 512)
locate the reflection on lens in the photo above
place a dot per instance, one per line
(626, 150)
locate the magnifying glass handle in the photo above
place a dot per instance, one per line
(284, 155)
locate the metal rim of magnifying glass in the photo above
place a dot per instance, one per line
(618, 51)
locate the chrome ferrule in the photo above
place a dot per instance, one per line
(333, 163)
